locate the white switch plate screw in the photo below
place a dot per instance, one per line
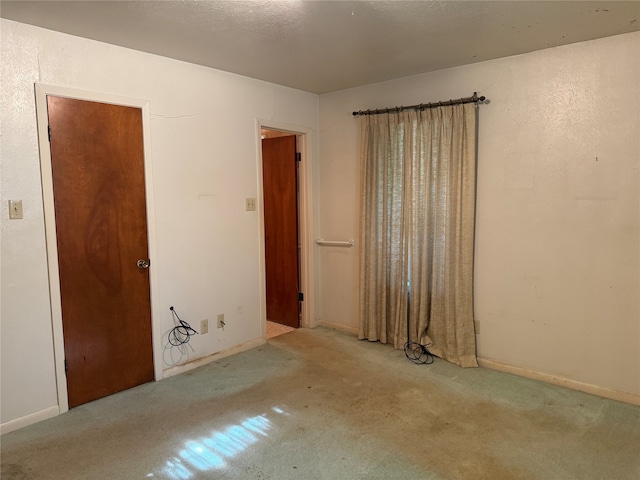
(204, 326)
(250, 204)
(221, 323)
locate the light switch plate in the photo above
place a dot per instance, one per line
(250, 204)
(15, 209)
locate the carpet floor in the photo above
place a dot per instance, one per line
(319, 404)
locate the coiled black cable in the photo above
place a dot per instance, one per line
(418, 353)
(414, 351)
(182, 332)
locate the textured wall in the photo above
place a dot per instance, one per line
(204, 159)
(557, 257)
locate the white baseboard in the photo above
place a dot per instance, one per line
(30, 419)
(338, 326)
(612, 394)
(199, 362)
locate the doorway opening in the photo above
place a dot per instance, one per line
(284, 228)
(96, 255)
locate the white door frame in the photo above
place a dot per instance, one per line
(42, 91)
(305, 219)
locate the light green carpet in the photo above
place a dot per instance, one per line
(319, 404)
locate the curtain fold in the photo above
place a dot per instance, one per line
(417, 230)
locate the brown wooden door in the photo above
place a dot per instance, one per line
(280, 187)
(99, 196)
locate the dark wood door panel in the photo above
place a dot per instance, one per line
(281, 229)
(100, 209)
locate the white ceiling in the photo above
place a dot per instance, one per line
(324, 46)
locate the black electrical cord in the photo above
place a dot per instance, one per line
(182, 332)
(418, 353)
(414, 351)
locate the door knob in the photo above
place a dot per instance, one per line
(143, 264)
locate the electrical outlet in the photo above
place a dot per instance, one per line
(221, 323)
(204, 327)
(476, 325)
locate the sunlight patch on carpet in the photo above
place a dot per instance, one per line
(213, 452)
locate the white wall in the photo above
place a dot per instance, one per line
(557, 240)
(204, 159)
(557, 266)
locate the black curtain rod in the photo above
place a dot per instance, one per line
(423, 106)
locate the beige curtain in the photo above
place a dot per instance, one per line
(417, 230)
